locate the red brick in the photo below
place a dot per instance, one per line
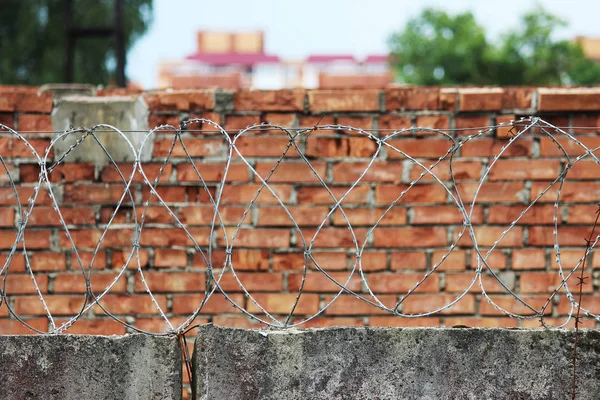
(589, 302)
(537, 215)
(57, 304)
(425, 303)
(410, 237)
(303, 216)
(282, 303)
(97, 262)
(180, 100)
(46, 216)
(326, 147)
(418, 148)
(448, 98)
(169, 258)
(310, 121)
(377, 172)
(45, 261)
(461, 171)
(243, 194)
(291, 172)
(318, 195)
(386, 194)
(349, 305)
(154, 237)
(331, 237)
(97, 326)
(251, 281)
(395, 122)
(487, 235)
(318, 282)
(34, 123)
(478, 322)
(216, 304)
(412, 98)
(568, 99)
(32, 102)
(264, 146)
(517, 97)
(582, 214)
(567, 235)
(572, 192)
(285, 120)
(471, 124)
(455, 261)
(547, 282)
(343, 100)
(458, 283)
(33, 239)
(204, 214)
(9, 197)
(324, 322)
(401, 283)
(110, 174)
(487, 147)
(93, 194)
(269, 100)
(584, 170)
(196, 147)
(15, 327)
(496, 260)
(328, 260)
(492, 192)
(528, 259)
(235, 123)
(509, 303)
(506, 131)
(212, 172)
(24, 284)
(405, 322)
(439, 122)
(439, 214)
(548, 147)
(168, 282)
(75, 283)
(7, 217)
(21, 150)
(371, 261)
(260, 237)
(364, 123)
(120, 257)
(132, 304)
(524, 170)
(368, 216)
(7, 119)
(249, 260)
(480, 99)
(155, 120)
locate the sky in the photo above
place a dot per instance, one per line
(296, 29)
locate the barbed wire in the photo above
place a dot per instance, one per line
(229, 234)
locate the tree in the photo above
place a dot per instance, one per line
(439, 49)
(32, 39)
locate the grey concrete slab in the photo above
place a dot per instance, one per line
(394, 363)
(127, 113)
(69, 367)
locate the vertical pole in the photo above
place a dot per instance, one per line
(119, 43)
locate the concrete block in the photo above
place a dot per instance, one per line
(394, 363)
(126, 113)
(89, 367)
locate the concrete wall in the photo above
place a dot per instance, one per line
(65, 367)
(392, 363)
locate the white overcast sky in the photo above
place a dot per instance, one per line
(295, 29)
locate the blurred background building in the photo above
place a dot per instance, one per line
(236, 60)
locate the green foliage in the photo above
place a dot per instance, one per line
(32, 39)
(439, 49)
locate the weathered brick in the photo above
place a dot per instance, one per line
(343, 100)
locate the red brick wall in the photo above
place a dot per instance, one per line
(268, 258)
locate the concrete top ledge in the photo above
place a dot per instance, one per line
(392, 363)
